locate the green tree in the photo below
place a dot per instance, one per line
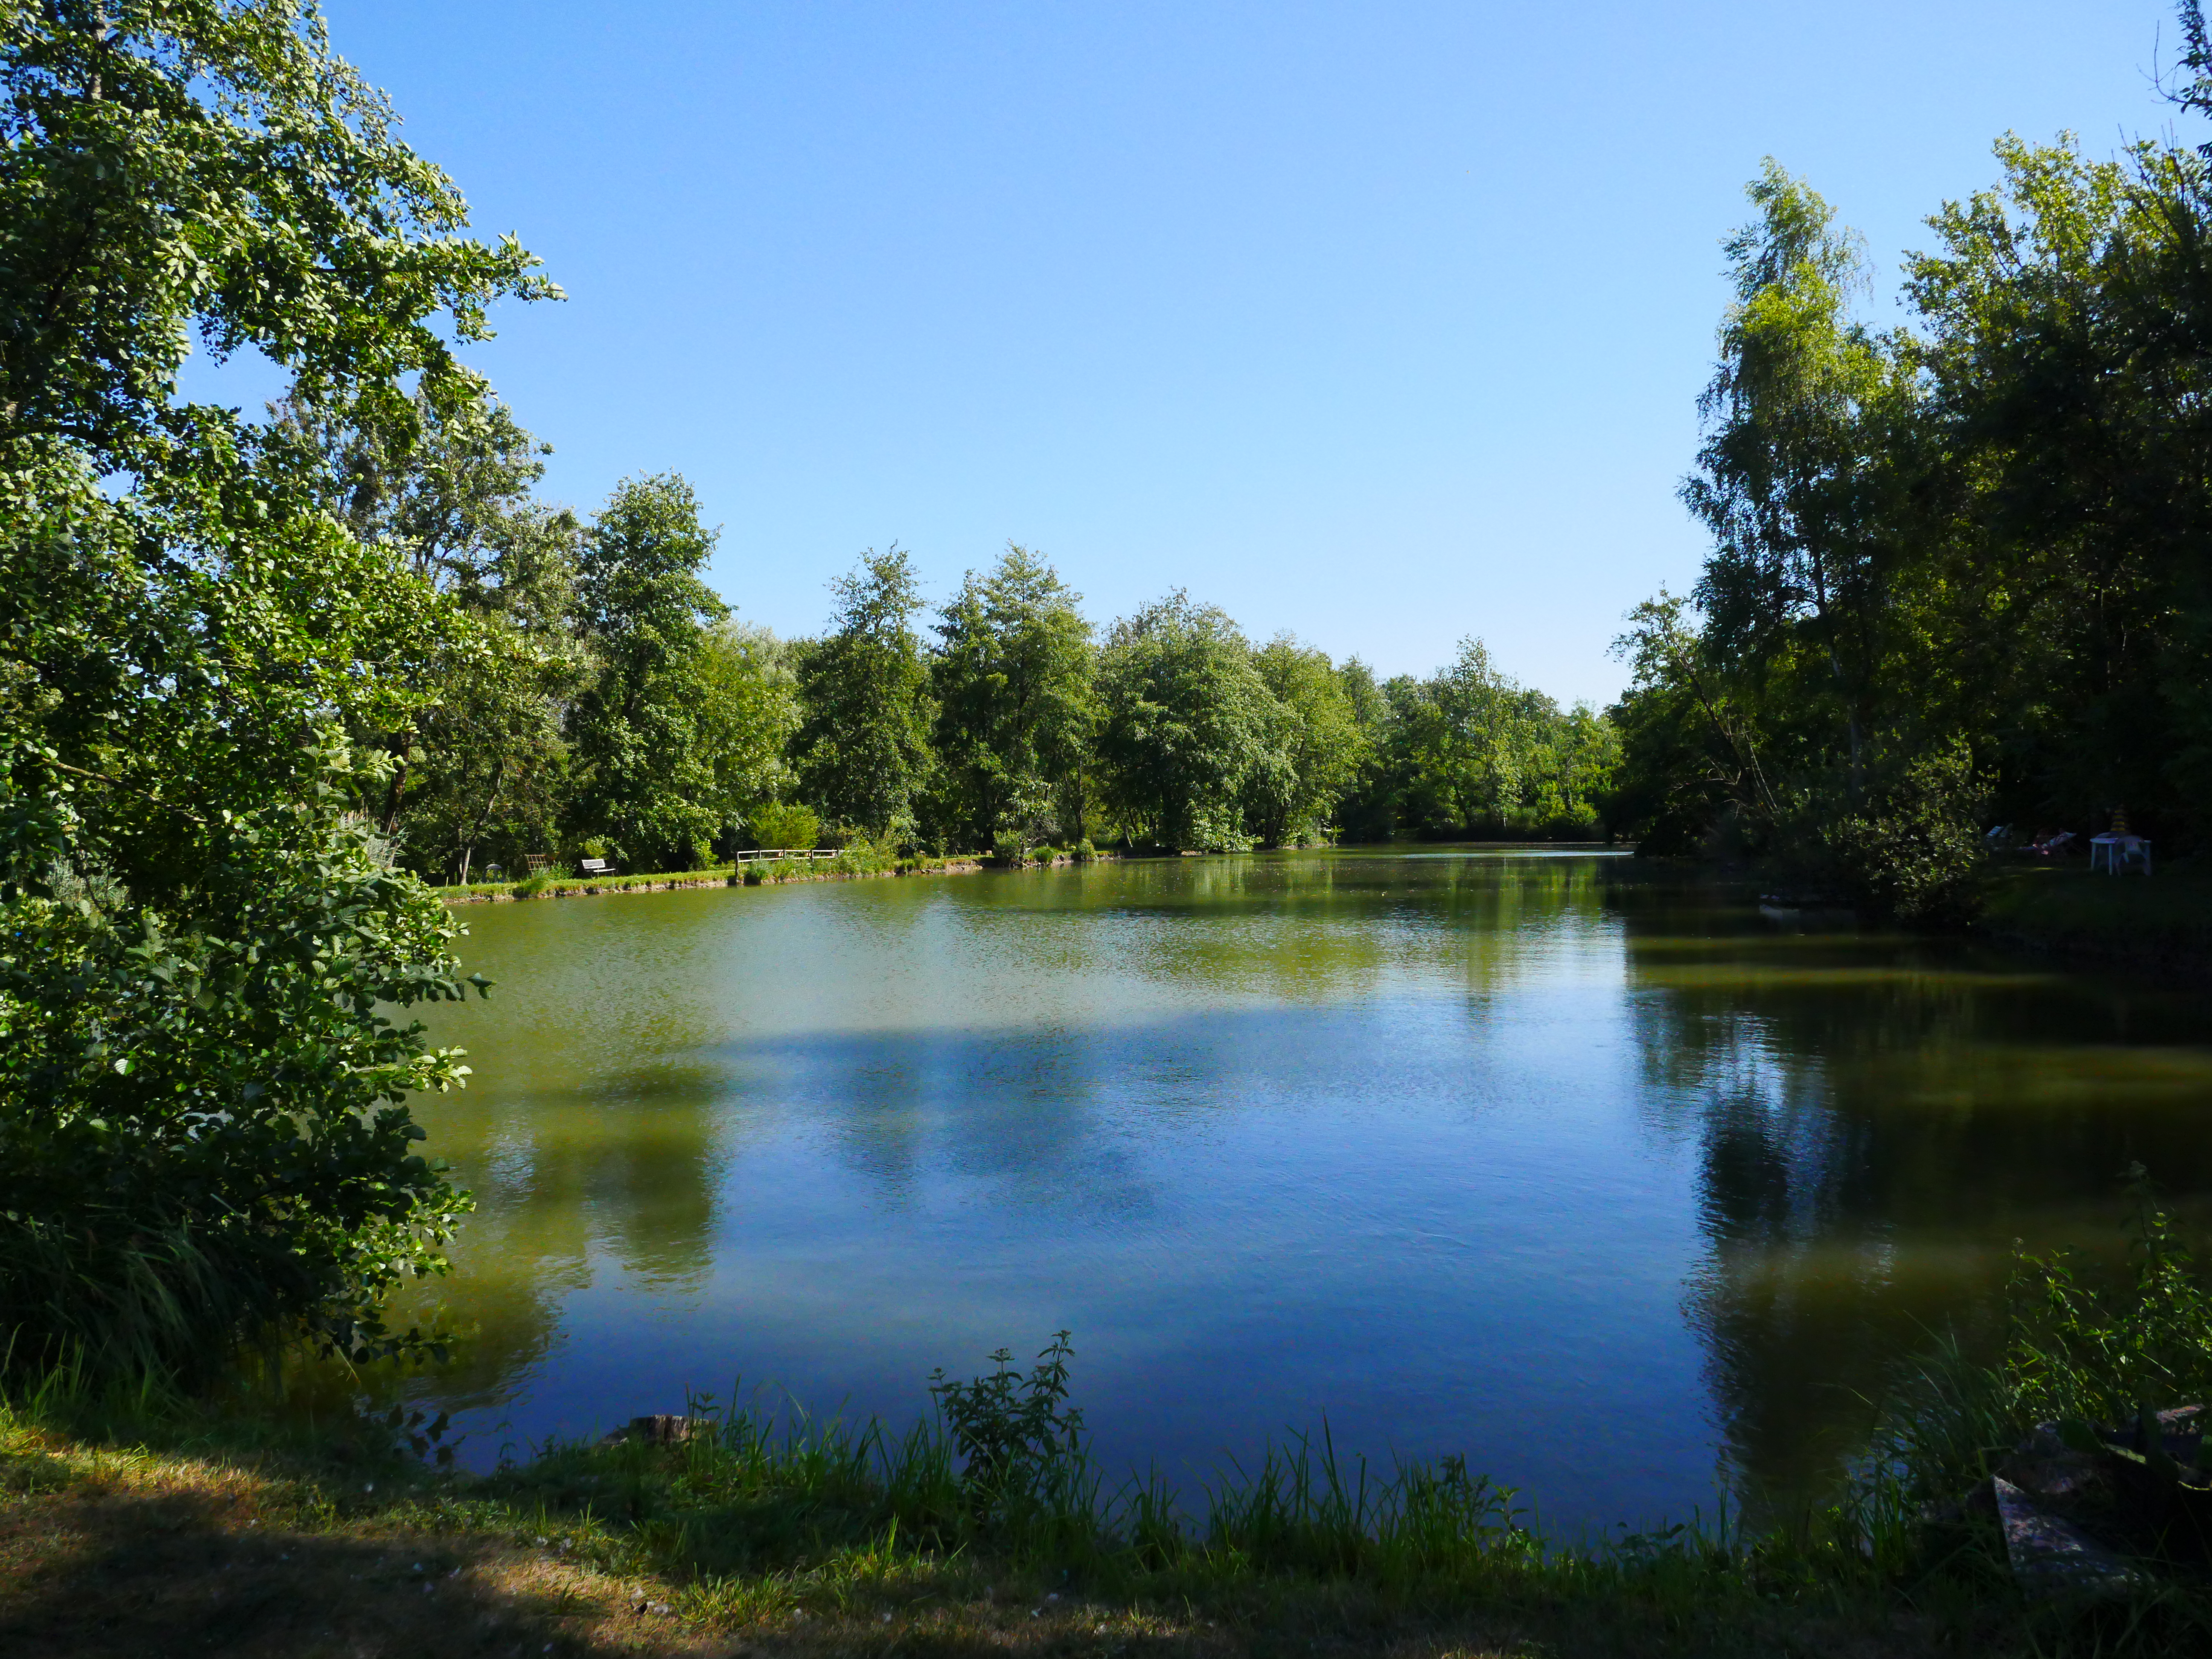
(748, 714)
(648, 772)
(1691, 754)
(480, 761)
(1574, 761)
(203, 1136)
(1322, 738)
(1468, 752)
(2065, 595)
(1369, 810)
(1188, 726)
(784, 825)
(439, 488)
(1012, 681)
(1980, 537)
(862, 752)
(1792, 480)
(1461, 739)
(488, 772)
(1798, 704)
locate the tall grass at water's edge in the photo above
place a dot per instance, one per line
(759, 1512)
(749, 1511)
(751, 1492)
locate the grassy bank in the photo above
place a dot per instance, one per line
(2161, 923)
(146, 1526)
(752, 873)
(183, 1536)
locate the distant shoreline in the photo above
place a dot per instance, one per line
(2159, 925)
(766, 876)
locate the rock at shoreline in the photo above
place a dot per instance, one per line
(663, 1429)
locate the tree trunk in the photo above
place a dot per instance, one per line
(491, 799)
(396, 795)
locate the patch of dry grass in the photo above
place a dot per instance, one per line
(112, 1551)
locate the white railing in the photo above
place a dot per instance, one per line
(759, 853)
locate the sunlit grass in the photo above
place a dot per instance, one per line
(781, 1532)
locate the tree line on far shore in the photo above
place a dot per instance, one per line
(598, 697)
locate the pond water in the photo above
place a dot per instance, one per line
(1608, 1181)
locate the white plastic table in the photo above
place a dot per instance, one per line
(2118, 852)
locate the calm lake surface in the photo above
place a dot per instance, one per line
(1605, 1181)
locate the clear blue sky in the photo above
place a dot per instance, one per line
(1380, 323)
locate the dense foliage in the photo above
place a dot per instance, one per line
(1959, 575)
(1016, 706)
(203, 1132)
(863, 752)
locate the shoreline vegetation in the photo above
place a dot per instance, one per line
(768, 873)
(137, 1519)
(2159, 925)
(1936, 613)
(848, 866)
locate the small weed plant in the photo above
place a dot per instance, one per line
(1023, 1455)
(2077, 1350)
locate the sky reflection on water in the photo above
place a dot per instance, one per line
(1601, 1180)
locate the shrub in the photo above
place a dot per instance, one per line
(2077, 1353)
(208, 1141)
(2080, 1351)
(532, 885)
(1914, 849)
(785, 823)
(1021, 1444)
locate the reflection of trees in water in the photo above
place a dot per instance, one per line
(1335, 925)
(1017, 1118)
(628, 1164)
(1005, 1110)
(1873, 1122)
(1035, 1116)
